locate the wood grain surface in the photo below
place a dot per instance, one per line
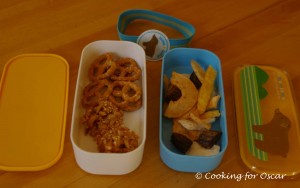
(239, 32)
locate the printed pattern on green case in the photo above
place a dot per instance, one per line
(252, 79)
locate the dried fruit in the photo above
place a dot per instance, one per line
(208, 138)
(206, 89)
(173, 93)
(195, 80)
(181, 142)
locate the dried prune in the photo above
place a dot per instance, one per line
(195, 80)
(208, 138)
(181, 142)
(173, 93)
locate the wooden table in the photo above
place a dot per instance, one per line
(239, 32)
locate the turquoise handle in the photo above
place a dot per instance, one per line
(187, 30)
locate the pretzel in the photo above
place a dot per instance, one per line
(96, 91)
(131, 92)
(126, 95)
(127, 70)
(116, 94)
(132, 106)
(103, 67)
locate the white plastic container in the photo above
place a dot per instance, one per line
(85, 148)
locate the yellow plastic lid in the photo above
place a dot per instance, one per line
(33, 109)
(267, 120)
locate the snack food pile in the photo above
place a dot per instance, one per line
(192, 102)
(111, 91)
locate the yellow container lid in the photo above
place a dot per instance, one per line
(33, 109)
(267, 120)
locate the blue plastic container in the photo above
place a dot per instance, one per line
(178, 60)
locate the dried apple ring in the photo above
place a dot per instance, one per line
(127, 70)
(96, 91)
(103, 67)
